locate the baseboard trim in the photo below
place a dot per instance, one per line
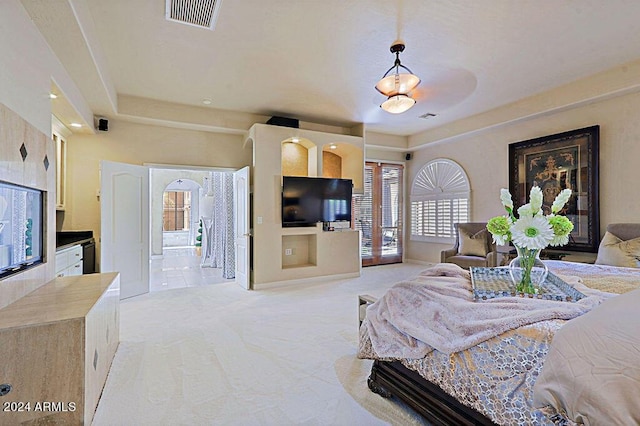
(312, 280)
(420, 262)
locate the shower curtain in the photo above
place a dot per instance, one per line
(218, 238)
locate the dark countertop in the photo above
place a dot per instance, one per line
(65, 239)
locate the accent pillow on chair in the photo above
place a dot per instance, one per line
(472, 244)
(615, 252)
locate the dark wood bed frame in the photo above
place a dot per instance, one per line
(389, 379)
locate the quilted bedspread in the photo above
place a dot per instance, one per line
(496, 375)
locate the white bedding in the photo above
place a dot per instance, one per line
(591, 375)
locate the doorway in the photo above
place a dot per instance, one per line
(131, 216)
(378, 213)
(180, 197)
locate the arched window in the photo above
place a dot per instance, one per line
(439, 198)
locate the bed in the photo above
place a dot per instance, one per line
(491, 381)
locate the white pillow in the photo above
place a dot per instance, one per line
(591, 374)
(615, 252)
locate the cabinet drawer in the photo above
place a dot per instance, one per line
(62, 261)
(67, 258)
(75, 254)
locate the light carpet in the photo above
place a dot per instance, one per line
(220, 355)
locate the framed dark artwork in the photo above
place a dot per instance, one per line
(565, 160)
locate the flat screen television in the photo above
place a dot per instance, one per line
(21, 228)
(307, 200)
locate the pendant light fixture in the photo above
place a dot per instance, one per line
(396, 84)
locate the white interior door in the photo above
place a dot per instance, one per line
(241, 224)
(124, 235)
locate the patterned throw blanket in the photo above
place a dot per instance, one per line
(436, 310)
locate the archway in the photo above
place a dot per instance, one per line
(180, 213)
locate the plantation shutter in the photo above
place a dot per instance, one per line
(363, 205)
(439, 198)
(391, 196)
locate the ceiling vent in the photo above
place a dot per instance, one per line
(198, 13)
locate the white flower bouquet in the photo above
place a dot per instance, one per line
(532, 229)
(530, 232)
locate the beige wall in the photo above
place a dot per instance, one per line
(380, 140)
(484, 157)
(373, 154)
(138, 144)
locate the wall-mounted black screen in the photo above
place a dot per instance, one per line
(307, 201)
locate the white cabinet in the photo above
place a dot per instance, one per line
(69, 261)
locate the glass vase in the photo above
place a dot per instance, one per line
(527, 271)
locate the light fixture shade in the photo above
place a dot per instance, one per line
(395, 84)
(398, 103)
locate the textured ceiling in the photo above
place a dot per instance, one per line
(318, 60)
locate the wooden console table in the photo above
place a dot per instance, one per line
(56, 348)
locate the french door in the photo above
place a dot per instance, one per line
(378, 214)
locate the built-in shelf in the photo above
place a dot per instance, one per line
(304, 265)
(299, 250)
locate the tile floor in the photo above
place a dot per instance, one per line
(180, 267)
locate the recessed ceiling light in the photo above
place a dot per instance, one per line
(206, 101)
(53, 96)
(76, 125)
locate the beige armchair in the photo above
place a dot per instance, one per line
(474, 246)
(620, 245)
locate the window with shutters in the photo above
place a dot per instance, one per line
(439, 198)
